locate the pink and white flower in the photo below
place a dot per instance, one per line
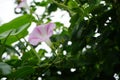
(42, 33)
(23, 4)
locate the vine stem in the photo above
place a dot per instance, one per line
(63, 6)
(34, 52)
(3, 45)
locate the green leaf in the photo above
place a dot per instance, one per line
(15, 23)
(18, 27)
(5, 68)
(29, 58)
(72, 4)
(43, 3)
(23, 72)
(5, 34)
(52, 7)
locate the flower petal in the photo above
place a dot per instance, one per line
(41, 33)
(35, 37)
(42, 30)
(23, 4)
(49, 29)
(34, 41)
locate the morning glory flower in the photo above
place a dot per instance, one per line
(23, 4)
(41, 33)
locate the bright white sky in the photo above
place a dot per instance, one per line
(7, 10)
(7, 13)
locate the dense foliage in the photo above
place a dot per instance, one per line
(89, 49)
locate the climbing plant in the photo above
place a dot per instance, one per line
(87, 49)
